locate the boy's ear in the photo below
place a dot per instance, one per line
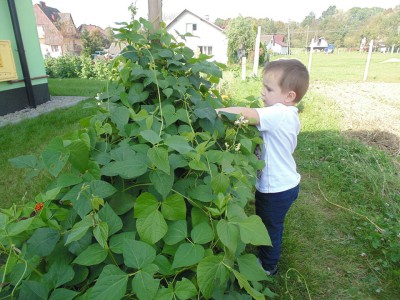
(290, 97)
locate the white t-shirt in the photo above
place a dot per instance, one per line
(279, 127)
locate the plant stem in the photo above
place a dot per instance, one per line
(348, 209)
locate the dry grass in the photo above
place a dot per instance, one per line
(370, 112)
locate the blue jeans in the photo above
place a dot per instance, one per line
(272, 209)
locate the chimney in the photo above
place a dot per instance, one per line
(42, 4)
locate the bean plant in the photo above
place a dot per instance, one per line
(148, 198)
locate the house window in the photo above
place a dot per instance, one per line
(40, 30)
(54, 48)
(205, 50)
(190, 27)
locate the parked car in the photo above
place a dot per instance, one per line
(329, 49)
(99, 53)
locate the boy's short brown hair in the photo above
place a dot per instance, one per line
(294, 76)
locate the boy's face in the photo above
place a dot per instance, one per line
(271, 91)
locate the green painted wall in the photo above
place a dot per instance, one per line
(33, 54)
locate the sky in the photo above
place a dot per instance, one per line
(105, 13)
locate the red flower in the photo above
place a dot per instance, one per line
(39, 206)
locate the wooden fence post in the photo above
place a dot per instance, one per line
(243, 67)
(368, 59)
(310, 57)
(257, 52)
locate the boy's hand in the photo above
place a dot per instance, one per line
(249, 114)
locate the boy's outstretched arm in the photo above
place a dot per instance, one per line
(248, 113)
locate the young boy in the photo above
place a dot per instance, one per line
(285, 82)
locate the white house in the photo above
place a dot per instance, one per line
(208, 38)
(318, 44)
(276, 43)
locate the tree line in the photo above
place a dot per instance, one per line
(341, 28)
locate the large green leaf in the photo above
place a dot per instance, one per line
(92, 255)
(220, 183)
(145, 204)
(164, 265)
(250, 268)
(121, 202)
(185, 289)
(204, 111)
(159, 157)
(66, 180)
(80, 197)
(79, 229)
(117, 241)
(135, 96)
(202, 233)
(169, 115)
(107, 215)
(151, 136)
(120, 116)
(187, 254)
(102, 188)
(228, 234)
(174, 207)
(243, 283)
(162, 182)
(168, 92)
(202, 193)
(127, 169)
(165, 294)
(211, 273)
(100, 232)
(43, 241)
(24, 161)
(79, 155)
(177, 231)
(248, 227)
(55, 156)
(63, 294)
(33, 290)
(110, 285)
(178, 143)
(59, 274)
(138, 254)
(145, 286)
(152, 228)
(77, 247)
(16, 228)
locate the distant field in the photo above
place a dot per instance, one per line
(350, 66)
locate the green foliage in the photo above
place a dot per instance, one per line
(148, 198)
(91, 41)
(71, 66)
(342, 28)
(241, 34)
(67, 66)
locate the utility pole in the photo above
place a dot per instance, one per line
(308, 28)
(155, 13)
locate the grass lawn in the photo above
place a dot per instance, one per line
(75, 87)
(331, 249)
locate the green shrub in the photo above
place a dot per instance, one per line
(72, 66)
(148, 197)
(87, 71)
(67, 66)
